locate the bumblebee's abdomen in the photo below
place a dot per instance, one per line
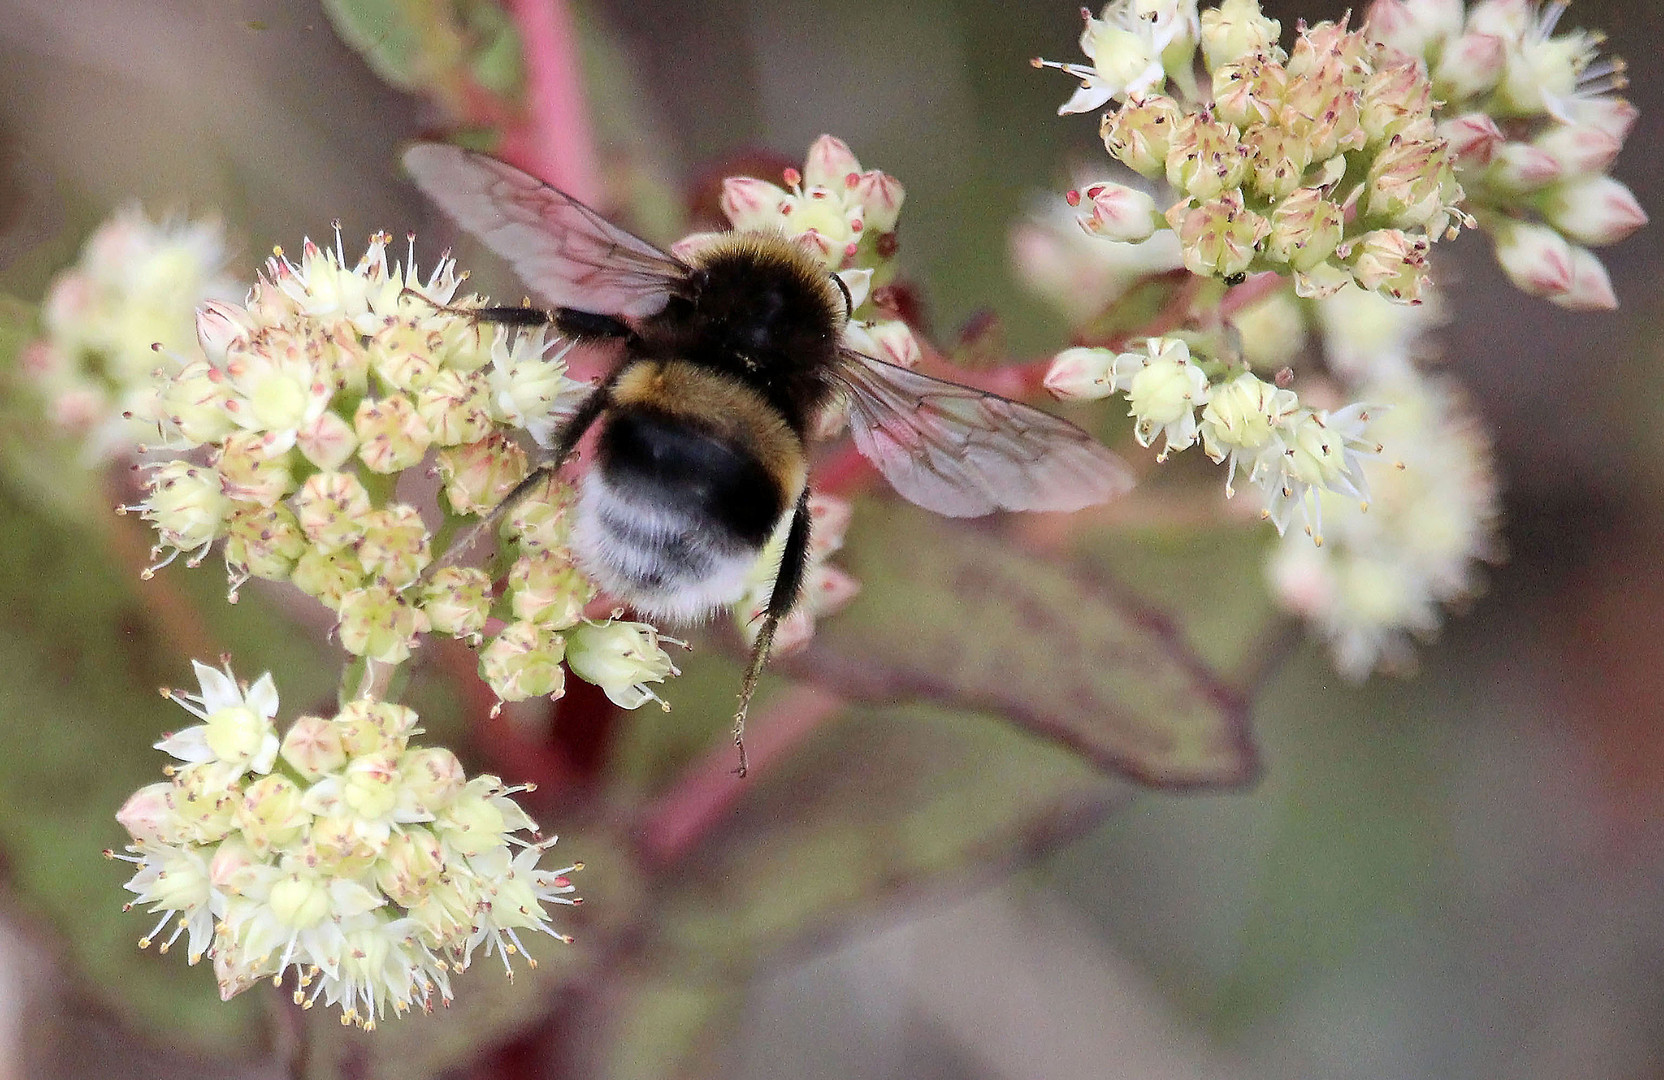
(685, 472)
(672, 517)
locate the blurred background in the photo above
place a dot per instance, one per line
(1456, 874)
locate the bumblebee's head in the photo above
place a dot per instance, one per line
(766, 295)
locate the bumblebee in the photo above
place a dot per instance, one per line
(725, 360)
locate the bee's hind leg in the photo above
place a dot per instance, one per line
(788, 583)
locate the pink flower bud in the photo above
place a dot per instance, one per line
(1607, 113)
(1082, 374)
(1470, 66)
(221, 326)
(1524, 167)
(830, 160)
(1474, 138)
(1118, 212)
(752, 204)
(148, 815)
(1536, 258)
(880, 196)
(1594, 210)
(1581, 149)
(1412, 25)
(312, 747)
(1591, 289)
(327, 442)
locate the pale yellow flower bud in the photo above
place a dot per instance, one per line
(524, 661)
(1140, 133)
(327, 576)
(394, 545)
(1236, 29)
(457, 600)
(378, 623)
(391, 436)
(455, 407)
(620, 658)
(479, 475)
(545, 587)
(312, 747)
(254, 467)
(187, 505)
(331, 509)
(270, 813)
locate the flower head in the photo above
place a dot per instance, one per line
(334, 860)
(1383, 576)
(121, 313)
(1532, 113)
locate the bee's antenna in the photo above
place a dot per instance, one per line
(849, 301)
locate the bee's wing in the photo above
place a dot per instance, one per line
(568, 254)
(963, 452)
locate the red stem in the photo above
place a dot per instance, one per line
(1250, 292)
(707, 792)
(557, 144)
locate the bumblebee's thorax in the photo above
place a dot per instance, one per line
(759, 309)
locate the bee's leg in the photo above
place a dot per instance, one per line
(569, 322)
(788, 582)
(582, 419)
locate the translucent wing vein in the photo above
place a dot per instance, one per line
(963, 452)
(566, 253)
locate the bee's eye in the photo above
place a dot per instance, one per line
(849, 301)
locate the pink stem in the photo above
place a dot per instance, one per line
(1252, 291)
(557, 145)
(707, 792)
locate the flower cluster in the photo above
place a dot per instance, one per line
(308, 405)
(1292, 452)
(1535, 126)
(1432, 518)
(371, 867)
(1323, 162)
(123, 311)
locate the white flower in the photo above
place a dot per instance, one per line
(621, 658)
(174, 881)
(1133, 48)
(236, 735)
(122, 312)
(1383, 575)
(529, 387)
(324, 867)
(1314, 451)
(514, 899)
(1164, 389)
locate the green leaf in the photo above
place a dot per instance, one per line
(426, 47)
(875, 806)
(664, 1024)
(956, 616)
